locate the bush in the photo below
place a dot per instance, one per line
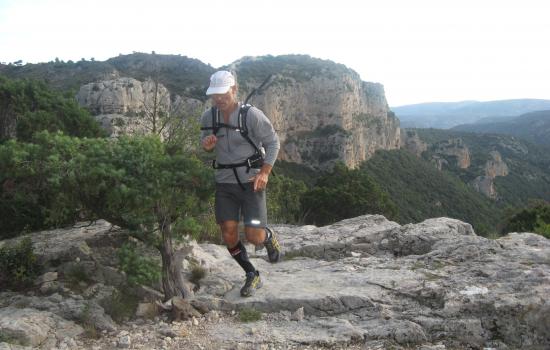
(284, 199)
(345, 193)
(139, 269)
(535, 218)
(121, 306)
(197, 273)
(250, 315)
(18, 265)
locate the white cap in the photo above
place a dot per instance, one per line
(220, 82)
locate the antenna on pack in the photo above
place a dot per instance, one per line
(261, 88)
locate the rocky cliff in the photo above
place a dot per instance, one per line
(323, 112)
(129, 106)
(362, 283)
(493, 167)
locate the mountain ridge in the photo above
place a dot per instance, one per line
(445, 115)
(533, 127)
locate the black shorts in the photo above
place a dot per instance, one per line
(232, 202)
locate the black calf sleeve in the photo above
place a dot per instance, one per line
(241, 256)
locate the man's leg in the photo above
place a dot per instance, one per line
(230, 235)
(255, 220)
(227, 215)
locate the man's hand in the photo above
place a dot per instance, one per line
(209, 142)
(262, 178)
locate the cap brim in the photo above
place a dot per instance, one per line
(217, 90)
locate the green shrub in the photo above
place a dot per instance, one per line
(535, 218)
(76, 274)
(344, 193)
(85, 320)
(18, 265)
(197, 273)
(121, 306)
(250, 315)
(139, 268)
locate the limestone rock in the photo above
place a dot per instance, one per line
(493, 167)
(434, 281)
(183, 310)
(365, 281)
(147, 310)
(452, 152)
(34, 327)
(329, 117)
(412, 142)
(129, 106)
(298, 315)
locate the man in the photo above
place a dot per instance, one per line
(242, 173)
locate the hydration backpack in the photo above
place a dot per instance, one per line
(256, 160)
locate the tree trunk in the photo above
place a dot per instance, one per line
(172, 278)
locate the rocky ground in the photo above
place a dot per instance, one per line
(362, 283)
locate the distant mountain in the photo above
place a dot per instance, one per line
(322, 111)
(534, 127)
(180, 74)
(444, 115)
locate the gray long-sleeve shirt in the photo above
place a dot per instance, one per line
(232, 148)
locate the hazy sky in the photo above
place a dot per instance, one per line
(420, 50)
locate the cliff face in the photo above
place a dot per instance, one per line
(322, 111)
(328, 118)
(412, 142)
(493, 167)
(361, 283)
(129, 106)
(451, 152)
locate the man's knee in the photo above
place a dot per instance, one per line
(230, 233)
(255, 235)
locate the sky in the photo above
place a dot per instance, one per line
(420, 50)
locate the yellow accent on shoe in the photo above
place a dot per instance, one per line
(253, 282)
(273, 247)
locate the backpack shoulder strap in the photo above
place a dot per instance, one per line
(215, 120)
(241, 122)
(243, 129)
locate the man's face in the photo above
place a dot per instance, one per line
(224, 101)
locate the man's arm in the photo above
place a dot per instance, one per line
(208, 140)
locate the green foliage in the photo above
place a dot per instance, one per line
(535, 218)
(420, 191)
(328, 130)
(32, 193)
(76, 274)
(345, 193)
(284, 199)
(34, 107)
(139, 269)
(250, 315)
(298, 67)
(131, 182)
(85, 320)
(180, 74)
(528, 164)
(18, 265)
(295, 171)
(197, 273)
(121, 306)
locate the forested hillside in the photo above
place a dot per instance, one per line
(420, 191)
(181, 75)
(533, 127)
(528, 164)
